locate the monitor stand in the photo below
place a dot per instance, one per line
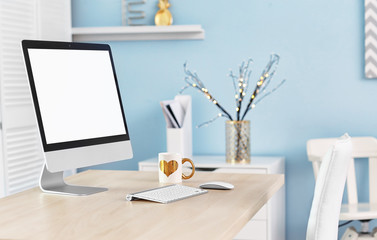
(54, 183)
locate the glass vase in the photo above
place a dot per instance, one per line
(237, 134)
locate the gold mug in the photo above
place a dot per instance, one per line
(170, 168)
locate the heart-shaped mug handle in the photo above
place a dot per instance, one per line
(193, 168)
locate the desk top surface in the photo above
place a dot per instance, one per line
(218, 214)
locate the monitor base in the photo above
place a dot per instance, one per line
(54, 183)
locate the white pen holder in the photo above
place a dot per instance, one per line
(179, 140)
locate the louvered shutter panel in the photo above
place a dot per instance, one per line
(22, 158)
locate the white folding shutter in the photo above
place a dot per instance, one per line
(22, 157)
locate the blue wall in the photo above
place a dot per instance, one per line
(321, 48)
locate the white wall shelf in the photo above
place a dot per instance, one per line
(134, 33)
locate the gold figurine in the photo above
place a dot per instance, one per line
(163, 16)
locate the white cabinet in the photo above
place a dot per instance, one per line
(269, 222)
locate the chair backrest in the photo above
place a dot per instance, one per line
(329, 187)
(363, 147)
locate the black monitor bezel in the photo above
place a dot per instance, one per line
(33, 44)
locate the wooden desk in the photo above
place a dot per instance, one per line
(215, 215)
(269, 222)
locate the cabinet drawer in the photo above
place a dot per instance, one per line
(253, 230)
(148, 168)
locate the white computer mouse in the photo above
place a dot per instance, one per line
(217, 185)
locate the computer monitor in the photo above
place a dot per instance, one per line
(78, 108)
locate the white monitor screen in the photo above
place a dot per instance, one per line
(77, 94)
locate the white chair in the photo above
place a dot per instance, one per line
(329, 187)
(363, 147)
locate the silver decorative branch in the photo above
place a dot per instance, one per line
(271, 68)
(240, 84)
(240, 87)
(210, 121)
(192, 80)
(264, 81)
(266, 94)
